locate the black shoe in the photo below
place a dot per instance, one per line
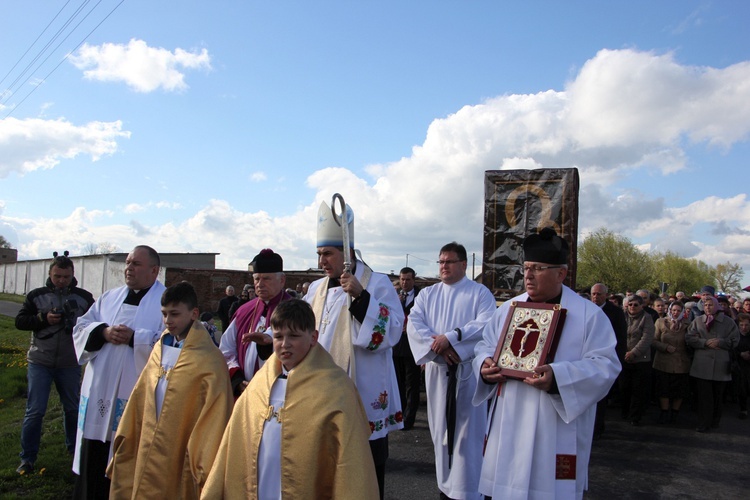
(25, 468)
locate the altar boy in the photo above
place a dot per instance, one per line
(299, 429)
(173, 423)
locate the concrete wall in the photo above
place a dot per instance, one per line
(95, 273)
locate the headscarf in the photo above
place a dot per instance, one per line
(675, 322)
(711, 317)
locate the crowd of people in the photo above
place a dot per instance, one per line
(678, 347)
(296, 397)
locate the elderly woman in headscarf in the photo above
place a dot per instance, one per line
(712, 335)
(671, 362)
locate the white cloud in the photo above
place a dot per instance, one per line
(624, 113)
(30, 144)
(258, 176)
(133, 208)
(142, 68)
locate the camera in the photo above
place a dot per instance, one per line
(68, 313)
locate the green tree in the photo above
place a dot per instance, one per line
(3, 242)
(728, 277)
(685, 275)
(612, 259)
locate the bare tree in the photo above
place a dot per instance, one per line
(729, 277)
(102, 248)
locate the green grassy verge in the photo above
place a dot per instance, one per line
(12, 297)
(52, 478)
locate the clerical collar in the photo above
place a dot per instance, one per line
(554, 300)
(134, 297)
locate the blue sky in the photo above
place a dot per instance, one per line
(220, 127)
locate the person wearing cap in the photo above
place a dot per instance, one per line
(444, 326)
(359, 319)
(540, 428)
(246, 344)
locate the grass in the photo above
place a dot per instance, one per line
(12, 297)
(53, 478)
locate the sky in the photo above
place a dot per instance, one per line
(222, 126)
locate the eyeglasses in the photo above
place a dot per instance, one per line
(634, 304)
(538, 269)
(447, 262)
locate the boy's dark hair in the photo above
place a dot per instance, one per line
(295, 314)
(458, 248)
(743, 317)
(181, 293)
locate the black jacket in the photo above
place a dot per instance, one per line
(617, 317)
(52, 345)
(402, 348)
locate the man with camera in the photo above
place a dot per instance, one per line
(50, 312)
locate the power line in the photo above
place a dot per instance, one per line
(45, 49)
(68, 54)
(34, 42)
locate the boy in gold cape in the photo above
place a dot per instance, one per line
(173, 422)
(299, 430)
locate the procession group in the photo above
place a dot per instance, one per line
(300, 396)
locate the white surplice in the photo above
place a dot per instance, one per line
(372, 346)
(529, 428)
(112, 371)
(228, 347)
(440, 309)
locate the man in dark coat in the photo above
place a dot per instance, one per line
(408, 373)
(619, 325)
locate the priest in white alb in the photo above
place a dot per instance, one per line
(359, 319)
(541, 427)
(444, 326)
(114, 339)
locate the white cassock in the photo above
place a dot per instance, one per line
(112, 371)
(439, 309)
(372, 344)
(532, 431)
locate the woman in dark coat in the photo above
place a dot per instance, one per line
(712, 336)
(671, 362)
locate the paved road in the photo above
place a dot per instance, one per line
(648, 462)
(8, 308)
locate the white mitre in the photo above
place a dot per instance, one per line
(329, 232)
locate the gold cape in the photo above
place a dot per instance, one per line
(324, 436)
(171, 457)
